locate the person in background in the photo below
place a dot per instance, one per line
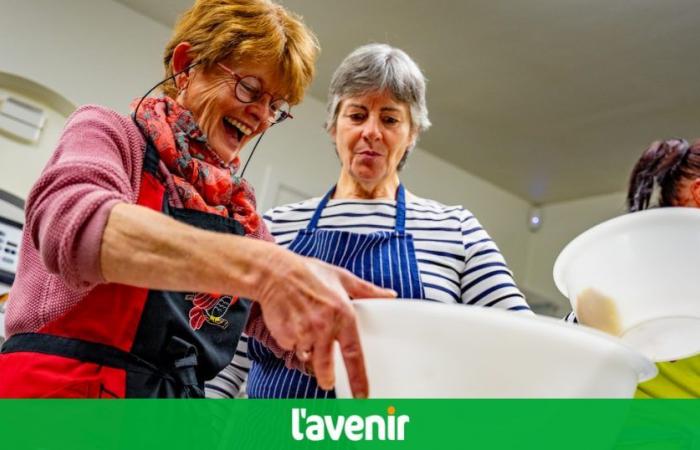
(142, 244)
(673, 166)
(370, 224)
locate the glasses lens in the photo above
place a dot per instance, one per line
(248, 89)
(280, 110)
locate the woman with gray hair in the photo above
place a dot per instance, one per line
(369, 224)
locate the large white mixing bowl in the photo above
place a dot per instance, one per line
(647, 265)
(420, 349)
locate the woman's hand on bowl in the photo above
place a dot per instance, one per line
(306, 306)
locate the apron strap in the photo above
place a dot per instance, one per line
(182, 354)
(399, 226)
(184, 357)
(90, 352)
(313, 223)
(151, 159)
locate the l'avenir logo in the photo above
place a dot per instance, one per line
(314, 427)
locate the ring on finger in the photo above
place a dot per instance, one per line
(304, 355)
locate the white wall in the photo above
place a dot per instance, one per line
(86, 51)
(562, 222)
(98, 51)
(20, 162)
(90, 51)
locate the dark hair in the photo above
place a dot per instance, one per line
(665, 163)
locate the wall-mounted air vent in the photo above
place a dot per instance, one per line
(21, 120)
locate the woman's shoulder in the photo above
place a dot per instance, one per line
(305, 206)
(420, 204)
(104, 119)
(99, 112)
(105, 131)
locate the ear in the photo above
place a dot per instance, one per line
(414, 138)
(181, 59)
(695, 192)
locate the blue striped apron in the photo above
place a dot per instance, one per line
(385, 258)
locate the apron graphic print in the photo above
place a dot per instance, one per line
(209, 308)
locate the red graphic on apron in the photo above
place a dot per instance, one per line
(209, 308)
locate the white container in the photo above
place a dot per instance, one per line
(420, 349)
(647, 264)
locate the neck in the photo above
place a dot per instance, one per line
(350, 188)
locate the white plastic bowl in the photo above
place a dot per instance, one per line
(420, 349)
(647, 264)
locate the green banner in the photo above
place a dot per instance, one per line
(350, 424)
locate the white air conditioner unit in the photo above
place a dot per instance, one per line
(21, 120)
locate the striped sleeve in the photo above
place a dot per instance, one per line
(228, 383)
(486, 279)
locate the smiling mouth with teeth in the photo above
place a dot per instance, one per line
(240, 129)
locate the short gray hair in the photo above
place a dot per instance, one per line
(379, 67)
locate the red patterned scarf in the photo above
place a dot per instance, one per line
(202, 180)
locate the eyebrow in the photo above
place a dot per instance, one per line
(384, 108)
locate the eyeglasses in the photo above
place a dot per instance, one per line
(248, 89)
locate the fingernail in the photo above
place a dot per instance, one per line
(361, 395)
(327, 384)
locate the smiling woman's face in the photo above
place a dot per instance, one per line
(372, 133)
(229, 123)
